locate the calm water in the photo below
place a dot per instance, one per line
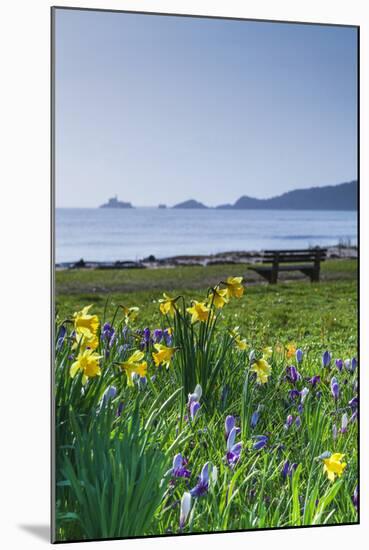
(109, 235)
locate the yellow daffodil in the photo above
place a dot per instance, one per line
(88, 362)
(135, 365)
(130, 313)
(262, 370)
(219, 297)
(86, 343)
(199, 311)
(163, 355)
(239, 342)
(235, 287)
(290, 350)
(167, 305)
(267, 352)
(333, 466)
(86, 325)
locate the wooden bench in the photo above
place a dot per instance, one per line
(305, 260)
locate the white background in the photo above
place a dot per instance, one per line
(25, 273)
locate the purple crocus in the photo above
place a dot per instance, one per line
(157, 335)
(292, 374)
(326, 359)
(299, 355)
(314, 380)
(339, 364)
(233, 449)
(344, 423)
(179, 467)
(335, 389)
(194, 407)
(294, 394)
(202, 486)
(260, 443)
(298, 421)
(254, 418)
(229, 424)
(108, 334)
(289, 421)
(168, 337)
(61, 337)
(288, 469)
(303, 393)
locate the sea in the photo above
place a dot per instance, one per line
(97, 234)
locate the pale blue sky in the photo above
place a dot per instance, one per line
(163, 109)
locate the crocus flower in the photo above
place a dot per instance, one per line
(292, 374)
(353, 417)
(314, 380)
(202, 486)
(157, 335)
(194, 407)
(168, 336)
(347, 364)
(108, 334)
(344, 423)
(147, 335)
(88, 363)
(233, 449)
(326, 359)
(262, 370)
(195, 396)
(353, 364)
(335, 389)
(185, 509)
(299, 355)
(339, 364)
(179, 467)
(303, 393)
(109, 394)
(167, 305)
(289, 421)
(333, 466)
(229, 423)
(134, 365)
(234, 287)
(61, 336)
(163, 355)
(260, 443)
(199, 312)
(254, 418)
(297, 421)
(293, 394)
(287, 469)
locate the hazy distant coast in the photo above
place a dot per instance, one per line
(330, 197)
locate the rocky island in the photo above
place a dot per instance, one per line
(190, 204)
(114, 203)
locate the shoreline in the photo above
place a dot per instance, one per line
(228, 257)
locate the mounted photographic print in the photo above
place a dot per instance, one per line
(205, 274)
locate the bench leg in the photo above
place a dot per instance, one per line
(274, 276)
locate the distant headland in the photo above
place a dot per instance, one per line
(114, 203)
(330, 197)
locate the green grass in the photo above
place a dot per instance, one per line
(112, 471)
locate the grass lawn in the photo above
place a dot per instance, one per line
(294, 310)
